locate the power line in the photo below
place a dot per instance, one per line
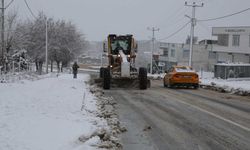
(236, 13)
(31, 12)
(9, 4)
(205, 28)
(175, 32)
(173, 15)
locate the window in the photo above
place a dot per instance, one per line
(165, 51)
(172, 53)
(185, 53)
(223, 39)
(211, 54)
(236, 40)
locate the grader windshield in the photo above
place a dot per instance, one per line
(120, 43)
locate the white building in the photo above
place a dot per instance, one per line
(168, 55)
(178, 54)
(233, 44)
(203, 57)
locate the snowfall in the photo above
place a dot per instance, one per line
(48, 112)
(57, 112)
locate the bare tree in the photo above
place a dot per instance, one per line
(10, 28)
(65, 42)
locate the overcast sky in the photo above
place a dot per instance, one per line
(98, 18)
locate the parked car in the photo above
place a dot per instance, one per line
(181, 76)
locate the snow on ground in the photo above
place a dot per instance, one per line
(90, 70)
(47, 114)
(239, 86)
(156, 76)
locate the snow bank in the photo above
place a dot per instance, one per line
(156, 76)
(239, 86)
(51, 112)
(107, 107)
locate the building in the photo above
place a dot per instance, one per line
(144, 53)
(233, 44)
(178, 54)
(168, 56)
(203, 57)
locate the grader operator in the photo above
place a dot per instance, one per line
(121, 58)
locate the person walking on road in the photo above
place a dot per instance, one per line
(75, 69)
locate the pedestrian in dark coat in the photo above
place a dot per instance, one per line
(75, 69)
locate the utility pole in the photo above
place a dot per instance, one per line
(4, 56)
(46, 49)
(2, 36)
(153, 29)
(193, 23)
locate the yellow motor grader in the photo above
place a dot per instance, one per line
(121, 52)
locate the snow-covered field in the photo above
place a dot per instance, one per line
(49, 113)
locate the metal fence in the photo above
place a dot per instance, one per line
(226, 71)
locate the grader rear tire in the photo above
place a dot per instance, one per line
(106, 78)
(143, 78)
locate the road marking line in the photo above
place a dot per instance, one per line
(217, 116)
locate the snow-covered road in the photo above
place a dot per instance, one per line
(46, 114)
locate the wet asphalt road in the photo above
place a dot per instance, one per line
(161, 118)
